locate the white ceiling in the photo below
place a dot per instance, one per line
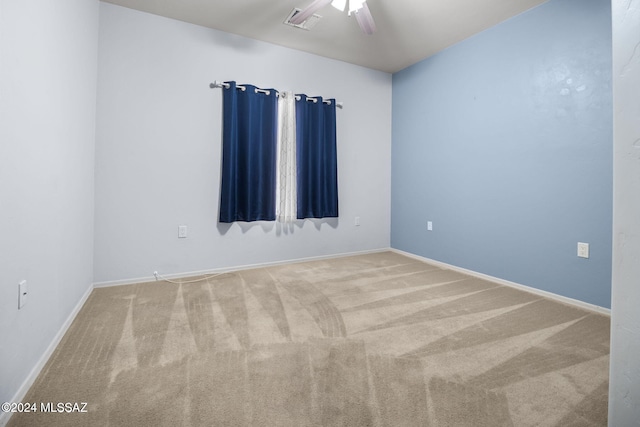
(408, 30)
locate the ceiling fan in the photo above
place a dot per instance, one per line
(358, 7)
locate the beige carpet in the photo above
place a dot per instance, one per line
(369, 340)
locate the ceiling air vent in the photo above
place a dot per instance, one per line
(308, 24)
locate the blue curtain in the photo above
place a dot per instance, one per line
(248, 182)
(317, 174)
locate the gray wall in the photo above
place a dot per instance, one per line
(48, 72)
(158, 149)
(504, 142)
(624, 389)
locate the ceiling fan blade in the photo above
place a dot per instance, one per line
(355, 5)
(365, 20)
(339, 4)
(299, 18)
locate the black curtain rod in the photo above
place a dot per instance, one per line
(217, 84)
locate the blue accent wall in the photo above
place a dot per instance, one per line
(504, 142)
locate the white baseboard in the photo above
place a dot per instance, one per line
(234, 268)
(551, 295)
(560, 298)
(28, 382)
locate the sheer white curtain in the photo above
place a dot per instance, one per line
(286, 192)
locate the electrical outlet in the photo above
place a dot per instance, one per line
(356, 222)
(22, 294)
(182, 231)
(429, 226)
(583, 250)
